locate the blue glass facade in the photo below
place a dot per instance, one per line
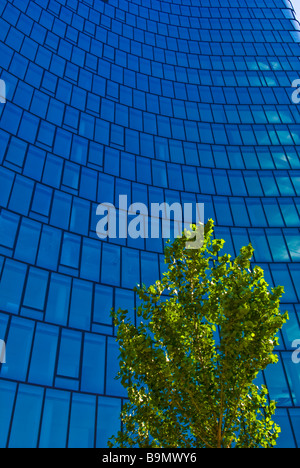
(182, 100)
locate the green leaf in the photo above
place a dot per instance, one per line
(184, 388)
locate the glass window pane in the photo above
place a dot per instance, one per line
(58, 299)
(43, 357)
(108, 420)
(82, 421)
(285, 439)
(81, 304)
(36, 288)
(110, 270)
(103, 304)
(113, 386)
(8, 390)
(277, 384)
(25, 426)
(55, 419)
(18, 349)
(11, 286)
(69, 353)
(93, 364)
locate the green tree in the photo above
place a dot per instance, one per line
(204, 333)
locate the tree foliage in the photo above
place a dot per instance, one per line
(204, 333)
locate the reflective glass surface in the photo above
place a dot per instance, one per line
(172, 100)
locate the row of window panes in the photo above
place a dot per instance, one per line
(27, 238)
(160, 114)
(72, 213)
(44, 167)
(169, 80)
(62, 294)
(116, 81)
(77, 215)
(18, 63)
(197, 17)
(95, 260)
(64, 291)
(65, 419)
(88, 184)
(73, 419)
(147, 43)
(31, 130)
(45, 355)
(188, 8)
(219, 104)
(163, 23)
(82, 151)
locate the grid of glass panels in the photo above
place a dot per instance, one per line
(182, 100)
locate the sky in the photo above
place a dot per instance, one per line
(296, 4)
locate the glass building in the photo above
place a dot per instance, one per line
(175, 100)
